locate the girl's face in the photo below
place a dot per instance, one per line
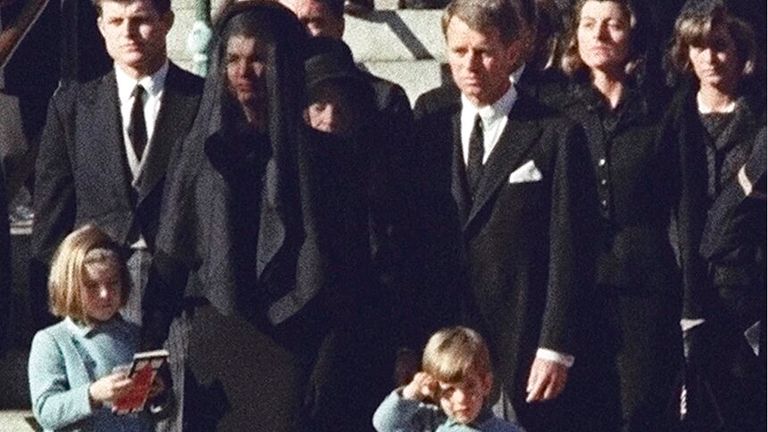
(101, 291)
(716, 63)
(246, 61)
(603, 35)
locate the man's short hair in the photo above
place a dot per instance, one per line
(161, 6)
(485, 15)
(86, 246)
(452, 354)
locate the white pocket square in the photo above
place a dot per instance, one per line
(526, 173)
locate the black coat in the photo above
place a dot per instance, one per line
(82, 173)
(513, 258)
(684, 129)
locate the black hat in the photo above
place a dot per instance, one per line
(328, 59)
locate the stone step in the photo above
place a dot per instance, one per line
(18, 421)
(396, 36)
(415, 76)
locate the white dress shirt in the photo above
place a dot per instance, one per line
(153, 85)
(494, 118)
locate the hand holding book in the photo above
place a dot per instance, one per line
(142, 375)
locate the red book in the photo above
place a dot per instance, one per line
(143, 371)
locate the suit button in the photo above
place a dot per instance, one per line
(604, 204)
(601, 162)
(603, 182)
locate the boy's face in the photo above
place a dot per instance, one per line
(463, 401)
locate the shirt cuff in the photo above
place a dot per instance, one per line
(566, 360)
(689, 323)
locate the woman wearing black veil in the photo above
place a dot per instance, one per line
(256, 252)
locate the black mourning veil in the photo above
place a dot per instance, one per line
(204, 219)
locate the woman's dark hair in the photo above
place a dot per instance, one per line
(695, 27)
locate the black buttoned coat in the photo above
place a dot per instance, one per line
(635, 332)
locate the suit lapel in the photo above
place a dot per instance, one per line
(171, 123)
(514, 145)
(103, 137)
(459, 187)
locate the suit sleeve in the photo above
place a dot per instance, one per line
(569, 251)
(54, 201)
(54, 403)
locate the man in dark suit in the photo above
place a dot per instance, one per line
(505, 214)
(106, 144)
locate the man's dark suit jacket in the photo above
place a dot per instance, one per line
(82, 173)
(513, 253)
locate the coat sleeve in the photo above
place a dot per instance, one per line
(54, 201)
(570, 254)
(397, 414)
(54, 198)
(54, 403)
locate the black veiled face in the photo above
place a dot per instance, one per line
(245, 66)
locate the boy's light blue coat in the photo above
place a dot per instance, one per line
(397, 414)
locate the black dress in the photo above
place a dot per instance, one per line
(635, 345)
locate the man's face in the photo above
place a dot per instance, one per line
(316, 17)
(134, 34)
(480, 61)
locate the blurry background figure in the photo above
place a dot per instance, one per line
(713, 121)
(634, 346)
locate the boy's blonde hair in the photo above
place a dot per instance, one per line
(454, 353)
(85, 246)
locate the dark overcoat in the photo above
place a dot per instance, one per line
(512, 256)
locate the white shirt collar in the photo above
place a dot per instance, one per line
(153, 84)
(489, 113)
(514, 77)
(494, 118)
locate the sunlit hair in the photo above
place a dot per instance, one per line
(452, 354)
(486, 15)
(161, 6)
(571, 62)
(697, 29)
(84, 247)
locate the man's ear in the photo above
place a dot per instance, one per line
(515, 52)
(100, 25)
(167, 19)
(487, 383)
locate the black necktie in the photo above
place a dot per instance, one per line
(137, 129)
(476, 150)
